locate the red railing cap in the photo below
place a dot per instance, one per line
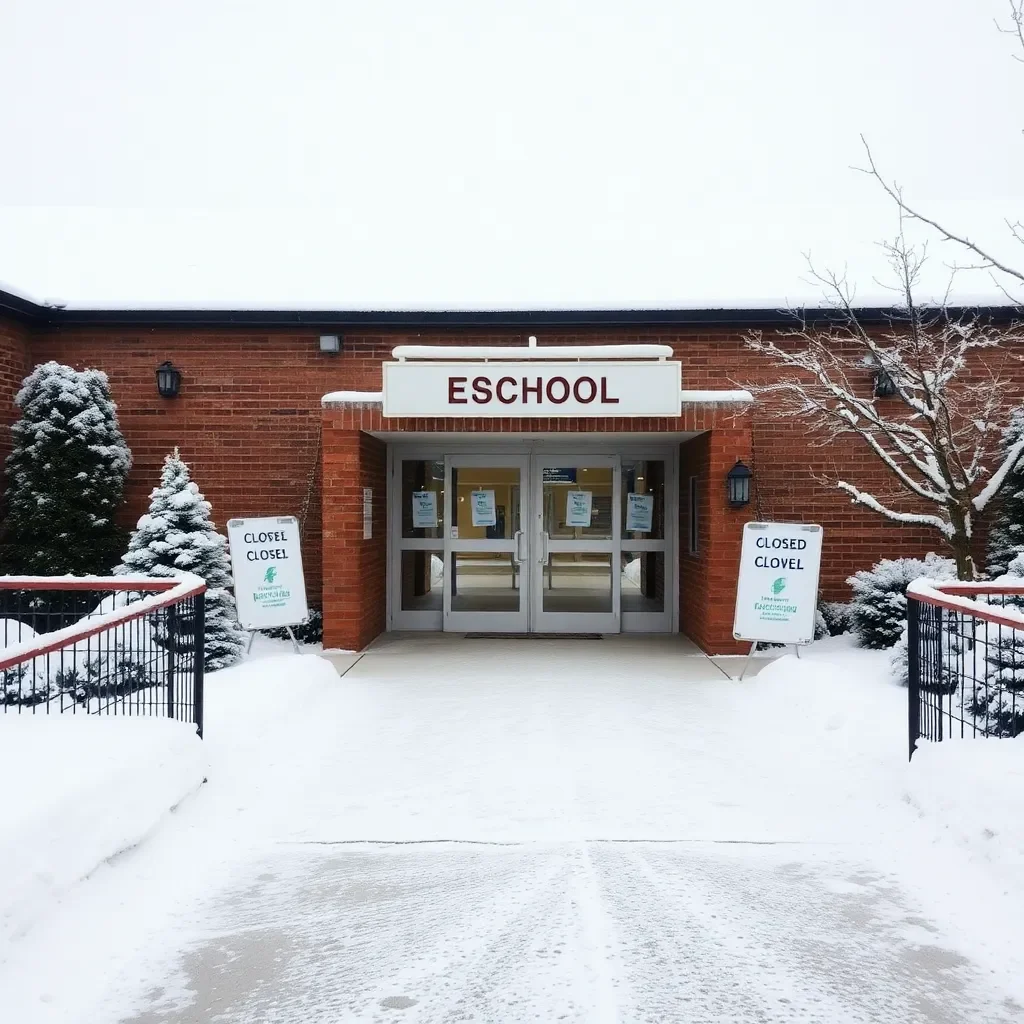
(165, 591)
(954, 595)
(144, 584)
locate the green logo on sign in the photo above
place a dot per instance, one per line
(777, 587)
(270, 575)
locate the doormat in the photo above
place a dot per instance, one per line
(534, 636)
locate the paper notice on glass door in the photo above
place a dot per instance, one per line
(578, 505)
(484, 513)
(424, 510)
(639, 513)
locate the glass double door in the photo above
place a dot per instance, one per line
(532, 543)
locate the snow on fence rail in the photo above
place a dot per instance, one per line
(965, 671)
(129, 645)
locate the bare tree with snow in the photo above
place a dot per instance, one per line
(937, 432)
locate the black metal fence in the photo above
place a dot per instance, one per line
(113, 646)
(965, 661)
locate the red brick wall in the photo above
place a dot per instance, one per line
(248, 417)
(707, 577)
(14, 366)
(355, 568)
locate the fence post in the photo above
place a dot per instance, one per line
(198, 658)
(172, 653)
(913, 672)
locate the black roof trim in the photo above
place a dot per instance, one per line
(17, 308)
(24, 310)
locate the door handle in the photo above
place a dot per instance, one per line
(543, 548)
(517, 551)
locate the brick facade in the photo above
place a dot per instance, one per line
(248, 420)
(14, 365)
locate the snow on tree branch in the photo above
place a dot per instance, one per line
(926, 394)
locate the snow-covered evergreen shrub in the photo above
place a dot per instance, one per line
(999, 705)
(838, 616)
(309, 632)
(177, 534)
(65, 476)
(820, 625)
(1006, 538)
(879, 606)
(955, 650)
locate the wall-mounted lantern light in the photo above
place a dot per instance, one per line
(885, 386)
(737, 484)
(330, 343)
(168, 380)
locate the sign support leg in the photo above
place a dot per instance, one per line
(295, 643)
(252, 637)
(746, 664)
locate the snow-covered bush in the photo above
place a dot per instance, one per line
(309, 632)
(1000, 703)
(954, 650)
(879, 606)
(1006, 539)
(838, 616)
(27, 683)
(820, 625)
(65, 476)
(176, 535)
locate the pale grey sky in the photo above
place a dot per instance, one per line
(471, 154)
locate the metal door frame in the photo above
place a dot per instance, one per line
(517, 547)
(542, 547)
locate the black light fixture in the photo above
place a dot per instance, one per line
(168, 379)
(737, 483)
(885, 386)
(330, 343)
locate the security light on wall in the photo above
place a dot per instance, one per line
(168, 379)
(330, 343)
(885, 386)
(737, 482)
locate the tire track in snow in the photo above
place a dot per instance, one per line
(600, 945)
(760, 938)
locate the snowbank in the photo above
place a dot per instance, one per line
(971, 792)
(77, 791)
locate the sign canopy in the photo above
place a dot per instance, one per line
(777, 590)
(266, 563)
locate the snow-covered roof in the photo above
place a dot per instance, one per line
(467, 157)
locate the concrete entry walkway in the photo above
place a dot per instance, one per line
(673, 653)
(516, 830)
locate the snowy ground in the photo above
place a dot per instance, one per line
(78, 791)
(554, 830)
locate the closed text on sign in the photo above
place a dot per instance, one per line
(777, 590)
(266, 563)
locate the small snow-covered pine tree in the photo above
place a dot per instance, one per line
(999, 706)
(879, 607)
(65, 476)
(177, 534)
(1006, 539)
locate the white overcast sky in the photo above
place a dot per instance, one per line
(474, 154)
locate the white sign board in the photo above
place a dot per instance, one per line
(482, 504)
(535, 388)
(424, 510)
(639, 512)
(578, 505)
(777, 591)
(266, 563)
